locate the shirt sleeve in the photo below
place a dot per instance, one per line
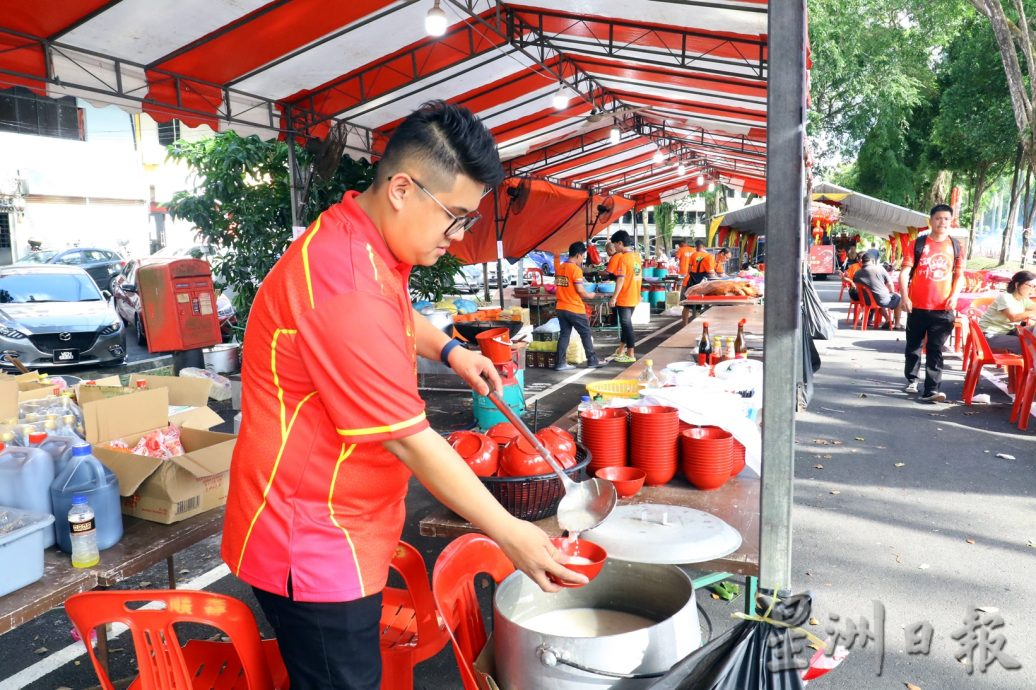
(362, 364)
(908, 257)
(577, 275)
(620, 266)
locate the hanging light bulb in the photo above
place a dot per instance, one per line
(659, 157)
(435, 21)
(701, 180)
(712, 185)
(615, 134)
(560, 99)
(681, 169)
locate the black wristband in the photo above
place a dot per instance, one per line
(444, 354)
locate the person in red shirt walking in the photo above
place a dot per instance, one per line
(332, 424)
(929, 286)
(571, 310)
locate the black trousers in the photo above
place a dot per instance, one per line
(625, 316)
(937, 326)
(327, 646)
(570, 320)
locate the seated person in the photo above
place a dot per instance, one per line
(876, 279)
(1009, 312)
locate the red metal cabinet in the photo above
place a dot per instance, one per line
(178, 305)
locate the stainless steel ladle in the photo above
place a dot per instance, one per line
(585, 504)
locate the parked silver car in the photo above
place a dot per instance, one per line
(53, 316)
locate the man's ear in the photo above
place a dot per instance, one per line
(396, 189)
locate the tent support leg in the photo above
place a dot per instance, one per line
(785, 226)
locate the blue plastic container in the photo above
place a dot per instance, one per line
(657, 297)
(25, 478)
(84, 474)
(645, 296)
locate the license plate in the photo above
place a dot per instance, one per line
(66, 355)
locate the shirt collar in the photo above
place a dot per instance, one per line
(370, 233)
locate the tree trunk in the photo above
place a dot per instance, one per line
(1012, 211)
(976, 205)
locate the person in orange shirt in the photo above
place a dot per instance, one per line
(332, 424)
(683, 258)
(571, 310)
(700, 265)
(626, 267)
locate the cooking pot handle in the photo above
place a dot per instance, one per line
(553, 657)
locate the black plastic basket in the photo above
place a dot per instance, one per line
(537, 497)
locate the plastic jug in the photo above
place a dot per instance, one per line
(84, 474)
(60, 448)
(25, 478)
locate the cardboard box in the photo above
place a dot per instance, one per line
(164, 491)
(8, 397)
(188, 398)
(485, 667)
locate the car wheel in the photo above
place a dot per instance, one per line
(141, 337)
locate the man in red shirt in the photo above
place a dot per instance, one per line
(332, 423)
(929, 295)
(571, 311)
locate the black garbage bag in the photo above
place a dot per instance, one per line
(736, 660)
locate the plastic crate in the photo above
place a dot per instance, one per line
(21, 542)
(619, 388)
(540, 360)
(534, 498)
(546, 337)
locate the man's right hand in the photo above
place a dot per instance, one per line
(532, 553)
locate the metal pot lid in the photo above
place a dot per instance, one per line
(653, 533)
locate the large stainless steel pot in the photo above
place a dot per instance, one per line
(441, 319)
(531, 660)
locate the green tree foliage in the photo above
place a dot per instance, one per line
(872, 62)
(974, 129)
(665, 221)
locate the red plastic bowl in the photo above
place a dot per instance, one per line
(628, 481)
(707, 481)
(503, 433)
(591, 557)
(557, 440)
(478, 450)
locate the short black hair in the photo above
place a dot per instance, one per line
(576, 248)
(447, 140)
(723, 250)
(678, 243)
(621, 236)
(866, 258)
(699, 244)
(939, 208)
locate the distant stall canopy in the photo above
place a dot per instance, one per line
(858, 211)
(652, 96)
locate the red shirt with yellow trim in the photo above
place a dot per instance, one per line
(329, 372)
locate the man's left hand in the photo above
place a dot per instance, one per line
(472, 367)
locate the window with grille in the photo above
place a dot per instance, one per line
(168, 132)
(23, 112)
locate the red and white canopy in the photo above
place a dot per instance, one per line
(685, 78)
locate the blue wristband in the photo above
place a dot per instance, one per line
(444, 355)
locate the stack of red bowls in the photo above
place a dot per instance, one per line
(737, 458)
(605, 434)
(707, 456)
(654, 433)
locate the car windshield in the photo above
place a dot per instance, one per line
(20, 288)
(36, 258)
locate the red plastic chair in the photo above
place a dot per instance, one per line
(246, 662)
(846, 284)
(982, 355)
(1027, 384)
(453, 585)
(977, 307)
(854, 309)
(411, 631)
(869, 308)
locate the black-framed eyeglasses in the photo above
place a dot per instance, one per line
(458, 224)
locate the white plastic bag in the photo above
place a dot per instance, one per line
(220, 384)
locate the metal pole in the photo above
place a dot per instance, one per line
(294, 180)
(499, 224)
(786, 107)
